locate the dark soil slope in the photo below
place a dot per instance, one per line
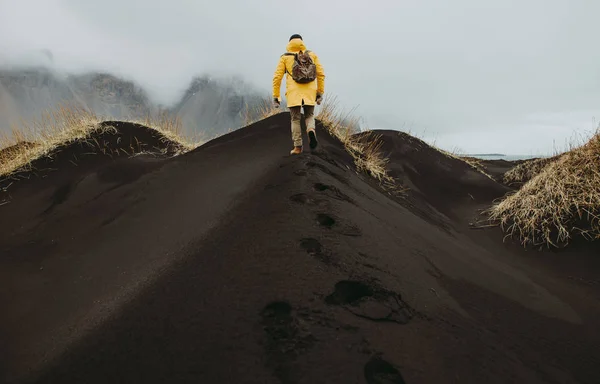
(444, 182)
(113, 139)
(118, 152)
(237, 263)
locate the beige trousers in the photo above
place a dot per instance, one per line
(309, 118)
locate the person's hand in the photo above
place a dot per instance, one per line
(276, 102)
(319, 99)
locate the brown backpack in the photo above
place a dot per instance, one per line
(304, 69)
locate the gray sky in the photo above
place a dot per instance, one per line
(511, 76)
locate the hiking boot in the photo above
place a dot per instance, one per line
(296, 151)
(312, 139)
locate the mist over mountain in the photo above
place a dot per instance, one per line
(208, 107)
(213, 106)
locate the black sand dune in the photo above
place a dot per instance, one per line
(433, 179)
(236, 263)
(106, 153)
(120, 139)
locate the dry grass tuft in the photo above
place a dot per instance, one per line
(52, 129)
(365, 148)
(66, 124)
(171, 128)
(527, 170)
(560, 202)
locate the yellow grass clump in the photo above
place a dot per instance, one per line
(67, 124)
(560, 202)
(528, 169)
(365, 149)
(171, 128)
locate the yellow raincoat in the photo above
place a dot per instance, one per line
(296, 93)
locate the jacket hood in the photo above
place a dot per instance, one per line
(296, 45)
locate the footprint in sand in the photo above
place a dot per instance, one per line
(312, 246)
(368, 302)
(324, 169)
(321, 187)
(334, 192)
(301, 198)
(325, 220)
(379, 371)
(286, 338)
(329, 222)
(315, 249)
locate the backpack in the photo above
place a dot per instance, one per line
(304, 69)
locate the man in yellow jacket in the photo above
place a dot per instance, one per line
(305, 85)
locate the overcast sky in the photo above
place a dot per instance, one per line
(510, 76)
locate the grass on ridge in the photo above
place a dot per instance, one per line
(365, 149)
(561, 201)
(66, 124)
(527, 170)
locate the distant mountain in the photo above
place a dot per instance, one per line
(209, 107)
(111, 96)
(215, 106)
(26, 93)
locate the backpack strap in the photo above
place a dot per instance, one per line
(288, 54)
